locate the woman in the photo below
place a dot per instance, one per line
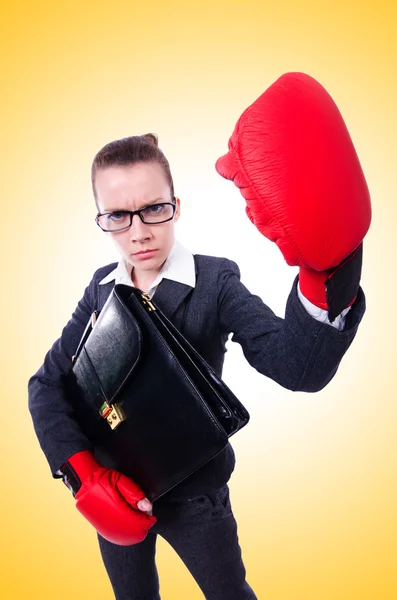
(205, 299)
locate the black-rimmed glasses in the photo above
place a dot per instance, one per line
(118, 220)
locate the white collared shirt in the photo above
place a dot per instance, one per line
(179, 266)
(322, 315)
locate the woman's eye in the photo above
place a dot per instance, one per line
(155, 208)
(117, 216)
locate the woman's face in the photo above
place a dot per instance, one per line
(133, 187)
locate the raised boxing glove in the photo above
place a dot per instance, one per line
(293, 159)
(107, 499)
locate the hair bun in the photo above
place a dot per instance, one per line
(151, 138)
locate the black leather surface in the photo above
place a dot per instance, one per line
(179, 413)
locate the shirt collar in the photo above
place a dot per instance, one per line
(179, 266)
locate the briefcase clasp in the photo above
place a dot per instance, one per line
(112, 413)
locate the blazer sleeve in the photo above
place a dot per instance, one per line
(298, 352)
(58, 432)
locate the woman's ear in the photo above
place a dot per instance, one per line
(178, 208)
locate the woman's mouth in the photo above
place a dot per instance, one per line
(145, 254)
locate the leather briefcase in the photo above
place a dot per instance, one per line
(149, 403)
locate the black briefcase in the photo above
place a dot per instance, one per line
(150, 404)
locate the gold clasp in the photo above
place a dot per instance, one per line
(112, 413)
(147, 300)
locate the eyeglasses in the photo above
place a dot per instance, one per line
(122, 219)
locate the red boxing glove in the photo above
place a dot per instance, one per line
(295, 164)
(107, 499)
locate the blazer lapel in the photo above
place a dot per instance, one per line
(169, 296)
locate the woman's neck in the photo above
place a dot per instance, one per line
(143, 282)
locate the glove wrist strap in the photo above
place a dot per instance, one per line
(77, 468)
(335, 289)
(343, 282)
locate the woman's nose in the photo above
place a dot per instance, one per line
(139, 231)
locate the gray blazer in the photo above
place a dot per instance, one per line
(298, 352)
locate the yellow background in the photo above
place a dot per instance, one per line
(314, 491)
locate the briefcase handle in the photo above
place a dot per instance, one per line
(84, 337)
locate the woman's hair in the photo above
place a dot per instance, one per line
(129, 151)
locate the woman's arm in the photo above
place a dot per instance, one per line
(59, 434)
(298, 352)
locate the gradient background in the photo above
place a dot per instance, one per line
(314, 491)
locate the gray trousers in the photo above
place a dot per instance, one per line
(203, 531)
